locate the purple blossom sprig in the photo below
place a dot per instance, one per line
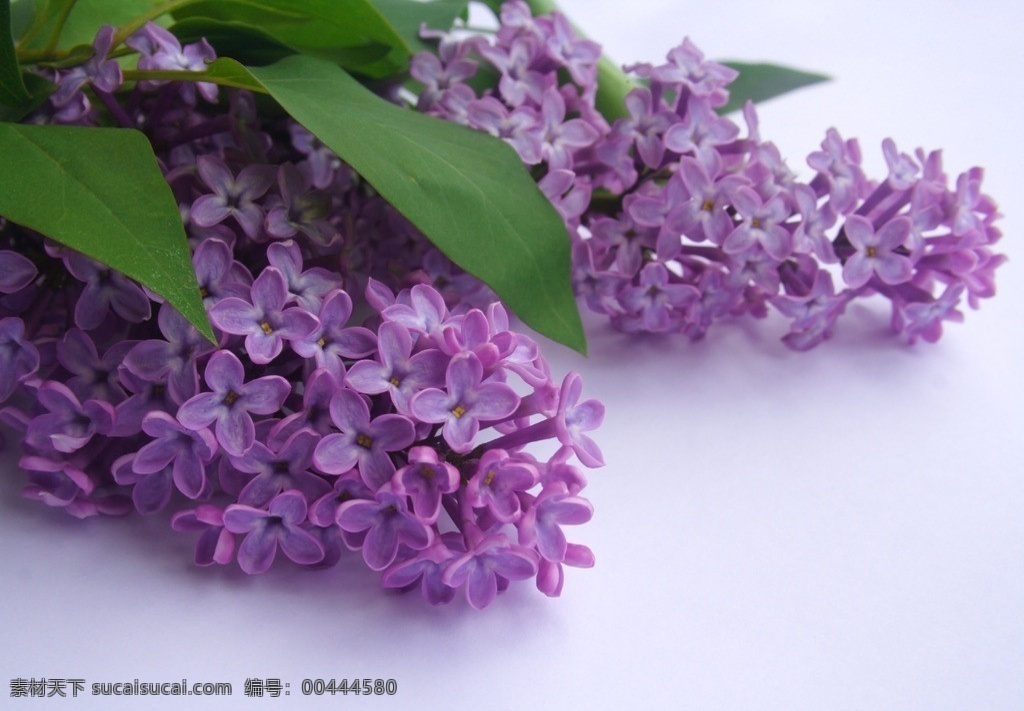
(678, 220)
(346, 406)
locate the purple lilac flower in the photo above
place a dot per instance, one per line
(388, 524)
(314, 413)
(309, 287)
(230, 404)
(280, 525)
(438, 72)
(656, 300)
(151, 491)
(324, 510)
(62, 484)
(173, 358)
(216, 544)
(320, 161)
(102, 73)
(362, 442)
(266, 322)
(422, 311)
(91, 375)
(161, 50)
(19, 357)
(105, 290)
(144, 397)
(561, 137)
(303, 209)
(924, 319)
(554, 507)
(761, 224)
(645, 127)
(425, 480)
(68, 424)
(876, 253)
(426, 567)
(498, 482)
(838, 163)
(520, 127)
(701, 132)
(686, 67)
(479, 569)
(465, 402)
(277, 471)
(218, 273)
(333, 340)
(551, 575)
(573, 418)
(186, 451)
(16, 272)
(231, 197)
(399, 372)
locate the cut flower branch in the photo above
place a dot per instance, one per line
(258, 265)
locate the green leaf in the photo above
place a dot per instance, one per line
(468, 192)
(248, 45)
(253, 45)
(406, 17)
(759, 82)
(350, 32)
(12, 88)
(38, 90)
(22, 12)
(100, 192)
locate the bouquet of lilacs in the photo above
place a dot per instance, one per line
(677, 220)
(335, 402)
(257, 263)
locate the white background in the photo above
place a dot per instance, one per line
(841, 529)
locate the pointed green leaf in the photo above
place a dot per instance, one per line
(466, 191)
(406, 17)
(350, 32)
(100, 191)
(759, 82)
(248, 45)
(12, 88)
(22, 12)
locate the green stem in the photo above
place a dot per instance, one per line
(38, 20)
(169, 75)
(51, 44)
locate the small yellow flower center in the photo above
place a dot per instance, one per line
(394, 381)
(489, 478)
(230, 398)
(871, 252)
(708, 205)
(755, 223)
(364, 441)
(267, 328)
(459, 411)
(428, 473)
(322, 342)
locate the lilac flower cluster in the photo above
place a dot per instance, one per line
(401, 433)
(678, 221)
